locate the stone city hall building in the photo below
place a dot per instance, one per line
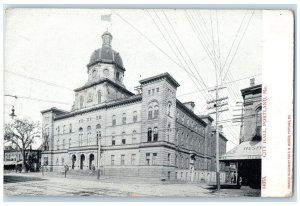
(148, 134)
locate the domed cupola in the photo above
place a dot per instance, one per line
(106, 54)
(106, 63)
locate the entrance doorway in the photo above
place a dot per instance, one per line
(82, 158)
(73, 161)
(91, 161)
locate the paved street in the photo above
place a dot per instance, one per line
(50, 185)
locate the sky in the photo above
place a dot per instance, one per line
(46, 52)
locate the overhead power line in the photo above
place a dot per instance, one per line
(38, 80)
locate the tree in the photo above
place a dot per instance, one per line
(22, 133)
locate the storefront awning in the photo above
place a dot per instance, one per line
(11, 162)
(244, 151)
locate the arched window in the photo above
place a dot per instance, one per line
(99, 97)
(168, 132)
(156, 111)
(114, 120)
(80, 136)
(133, 137)
(169, 108)
(81, 102)
(150, 112)
(149, 134)
(155, 134)
(89, 128)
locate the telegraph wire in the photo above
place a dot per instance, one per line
(38, 80)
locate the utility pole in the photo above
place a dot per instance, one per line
(99, 156)
(218, 102)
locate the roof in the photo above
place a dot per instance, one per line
(54, 110)
(117, 102)
(90, 84)
(252, 90)
(206, 116)
(221, 134)
(165, 75)
(244, 151)
(106, 55)
(187, 110)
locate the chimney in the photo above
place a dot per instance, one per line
(252, 82)
(190, 105)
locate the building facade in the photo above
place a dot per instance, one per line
(247, 155)
(149, 134)
(13, 159)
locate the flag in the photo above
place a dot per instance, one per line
(106, 17)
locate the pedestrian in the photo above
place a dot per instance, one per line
(234, 177)
(240, 181)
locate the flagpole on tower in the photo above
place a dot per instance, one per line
(108, 18)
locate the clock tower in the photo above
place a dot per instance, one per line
(106, 63)
(105, 77)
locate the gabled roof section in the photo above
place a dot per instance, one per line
(165, 76)
(102, 81)
(54, 110)
(118, 102)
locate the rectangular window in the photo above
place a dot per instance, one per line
(69, 142)
(154, 157)
(149, 92)
(169, 175)
(157, 89)
(169, 158)
(147, 158)
(112, 159)
(113, 140)
(134, 117)
(133, 159)
(63, 144)
(123, 141)
(175, 175)
(124, 120)
(122, 159)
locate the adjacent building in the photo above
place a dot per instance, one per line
(149, 134)
(13, 159)
(247, 155)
